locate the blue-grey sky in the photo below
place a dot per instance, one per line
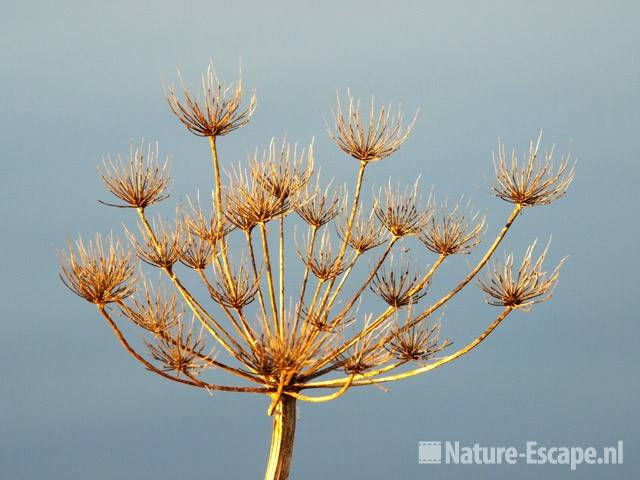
(82, 79)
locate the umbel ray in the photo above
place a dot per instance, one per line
(310, 338)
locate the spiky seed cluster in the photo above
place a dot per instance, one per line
(162, 248)
(534, 182)
(236, 290)
(153, 311)
(529, 285)
(397, 286)
(217, 113)
(318, 207)
(197, 223)
(139, 181)
(451, 231)
(324, 263)
(366, 233)
(181, 351)
(419, 342)
(365, 354)
(97, 272)
(371, 140)
(196, 252)
(249, 204)
(282, 173)
(400, 212)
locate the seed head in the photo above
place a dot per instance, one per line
(163, 248)
(366, 233)
(533, 183)
(380, 137)
(400, 212)
(153, 311)
(529, 285)
(100, 274)
(217, 113)
(139, 181)
(235, 291)
(324, 263)
(196, 222)
(419, 342)
(280, 173)
(318, 207)
(181, 350)
(397, 287)
(451, 231)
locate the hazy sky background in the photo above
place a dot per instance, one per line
(82, 79)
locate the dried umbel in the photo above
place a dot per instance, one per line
(97, 272)
(371, 139)
(219, 111)
(327, 321)
(521, 289)
(140, 181)
(533, 182)
(451, 231)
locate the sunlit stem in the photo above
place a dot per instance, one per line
(305, 278)
(257, 280)
(281, 272)
(267, 262)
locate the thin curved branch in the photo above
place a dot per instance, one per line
(411, 373)
(152, 368)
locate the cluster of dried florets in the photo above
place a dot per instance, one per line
(299, 330)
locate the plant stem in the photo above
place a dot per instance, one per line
(284, 429)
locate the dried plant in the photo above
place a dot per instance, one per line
(280, 336)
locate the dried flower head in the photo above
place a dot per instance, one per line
(248, 204)
(451, 231)
(98, 273)
(528, 286)
(366, 354)
(236, 290)
(400, 212)
(196, 252)
(280, 172)
(374, 140)
(419, 342)
(324, 263)
(181, 350)
(154, 311)
(533, 183)
(318, 207)
(161, 246)
(397, 286)
(196, 222)
(366, 233)
(139, 181)
(217, 113)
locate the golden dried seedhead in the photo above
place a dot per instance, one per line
(161, 249)
(324, 263)
(196, 252)
(318, 207)
(533, 183)
(400, 212)
(139, 181)
(217, 113)
(371, 140)
(365, 354)
(236, 290)
(153, 311)
(181, 350)
(196, 222)
(397, 286)
(98, 272)
(248, 204)
(418, 342)
(366, 233)
(529, 285)
(280, 172)
(452, 231)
